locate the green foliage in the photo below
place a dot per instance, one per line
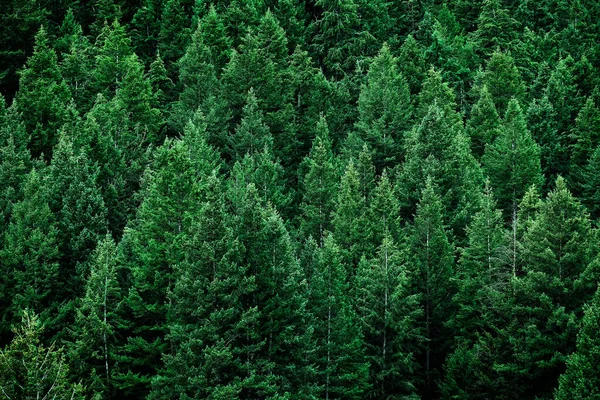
(579, 381)
(29, 370)
(42, 97)
(512, 161)
(483, 125)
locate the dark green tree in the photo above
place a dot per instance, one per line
(384, 109)
(512, 161)
(503, 80)
(30, 254)
(96, 321)
(342, 369)
(318, 184)
(585, 137)
(496, 27)
(152, 246)
(483, 125)
(432, 262)
(388, 309)
(580, 380)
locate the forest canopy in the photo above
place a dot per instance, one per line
(286, 199)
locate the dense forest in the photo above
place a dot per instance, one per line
(285, 199)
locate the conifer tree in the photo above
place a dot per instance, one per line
(388, 309)
(318, 183)
(541, 120)
(349, 217)
(113, 49)
(251, 135)
(335, 35)
(496, 28)
(174, 30)
(30, 254)
(585, 137)
(145, 28)
(412, 64)
(557, 249)
(96, 322)
(384, 212)
(384, 109)
(29, 370)
(153, 245)
(432, 256)
(81, 214)
(580, 380)
(43, 96)
(591, 186)
(512, 161)
(503, 80)
(163, 89)
(483, 125)
(342, 369)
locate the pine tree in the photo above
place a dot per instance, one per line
(153, 244)
(30, 254)
(388, 310)
(207, 319)
(163, 88)
(503, 80)
(349, 217)
(15, 162)
(433, 262)
(483, 125)
(591, 186)
(557, 249)
(384, 212)
(580, 380)
(585, 137)
(112, 51)
(96, 320)
(483, 271)
(541, 120)
(174, 30)
(496, 28)
(512, 161)
(43, 96)
(29, 370)
(198, 73)
(412, 64)
(318, 183)
(252, 135)
(340, 360)
(145, 28)
(335, 35)
(384, 109)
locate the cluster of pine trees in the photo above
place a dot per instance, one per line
(285, 199)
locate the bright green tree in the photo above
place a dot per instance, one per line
(43, 96)
(503, 80)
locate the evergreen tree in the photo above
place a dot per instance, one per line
(340, 360)
(334, 36)
(384, 109)
(42, 97)
(503, 80)
(112, 51)
(251, 135)
(81, 214)
(29, 370)
(496, 28)
(483, 125)
(412, 64)
(30, 254)
(318, 184)
(585, 137)
(153, 245)
(512, 161)
(174, 30)
(384, 212)
(96, 322)
(388, 310)
(432, 255)
(580, 380)
(349, 217)
(591, 186)
(557, 249)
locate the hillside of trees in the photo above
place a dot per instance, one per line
(300, 200)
